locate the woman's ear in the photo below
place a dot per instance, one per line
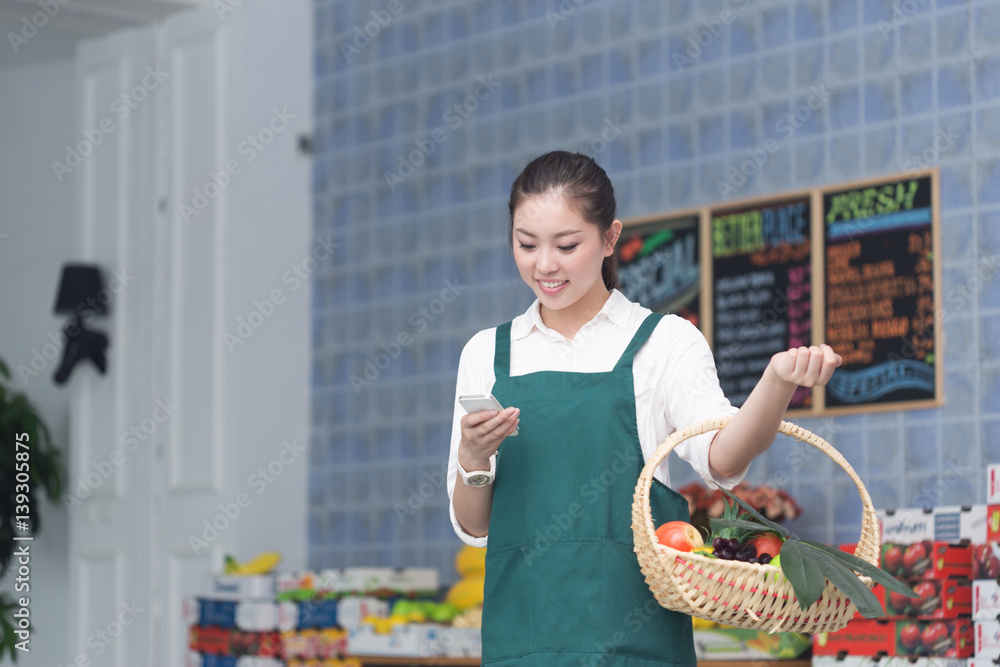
(614, 233)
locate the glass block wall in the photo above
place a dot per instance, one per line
(426, 112)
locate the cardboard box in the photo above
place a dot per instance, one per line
(985, 600)
(950, 523)
(415, 640)
(986, 560)
(944, 639)
(240, 587)
(926, 560)
(906, 526)
(200, 660)
(939, 598)
(980, 662)
(906, 661)
(353, 610)
(955, 523)
(315, 614)
(461, 642)
(249, 615)
(992, 524)
(988, 639)
(727, 643)
(379, 581)
(993, 483)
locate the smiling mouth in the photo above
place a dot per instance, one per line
(552, 284)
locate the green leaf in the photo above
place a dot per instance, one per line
(877, 574)
(778, 528)
(802, 572)
(746, 526)
(847, 582)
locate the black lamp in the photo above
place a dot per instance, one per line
(83, 296)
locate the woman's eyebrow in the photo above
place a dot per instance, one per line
(565, 232)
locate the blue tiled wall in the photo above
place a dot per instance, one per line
(688, 87)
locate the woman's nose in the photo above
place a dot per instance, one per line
(547, 262)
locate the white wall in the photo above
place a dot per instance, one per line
(273, 231)
(36, 216)
(268, 379)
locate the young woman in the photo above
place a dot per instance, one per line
(593, 383)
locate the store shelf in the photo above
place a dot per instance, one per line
(375, 661)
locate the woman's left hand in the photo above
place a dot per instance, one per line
(806, 366)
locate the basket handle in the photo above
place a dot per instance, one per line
(868, 544)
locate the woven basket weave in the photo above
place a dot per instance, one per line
(744, 595)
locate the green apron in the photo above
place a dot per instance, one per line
(563, 585)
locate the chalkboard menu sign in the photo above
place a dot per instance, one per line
(880, 297)
(658, 265)
(761, 290)
(852, 265)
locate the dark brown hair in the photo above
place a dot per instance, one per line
(583, 183)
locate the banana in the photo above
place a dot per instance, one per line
(262, 563)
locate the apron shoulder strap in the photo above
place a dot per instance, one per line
(501, 356)
(639, 339)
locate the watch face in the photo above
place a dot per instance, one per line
(479, 480)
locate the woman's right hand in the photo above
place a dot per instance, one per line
(482, 433)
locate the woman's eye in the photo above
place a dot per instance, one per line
(525, 246)
(567, 248)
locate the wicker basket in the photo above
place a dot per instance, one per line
(744, 595)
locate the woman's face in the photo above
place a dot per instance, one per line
(558, 253)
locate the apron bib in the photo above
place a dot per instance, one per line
(563, 585)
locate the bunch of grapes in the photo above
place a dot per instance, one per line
(733, 549)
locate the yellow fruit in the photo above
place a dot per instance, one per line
(706, 550)
(470, 618)
(470, 561)
(383, 626)
(467, 592)
(416, 616)
(262, 563)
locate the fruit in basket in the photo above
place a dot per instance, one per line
(679, 535)
(808, 565)
(730, 548)
(767, 543)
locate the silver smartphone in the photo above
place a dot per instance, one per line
(479, 402)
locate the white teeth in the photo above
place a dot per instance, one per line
(551, 285)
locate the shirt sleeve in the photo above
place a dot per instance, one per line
(693, 394)
(475, 376)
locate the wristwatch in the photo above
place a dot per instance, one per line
(479, 477)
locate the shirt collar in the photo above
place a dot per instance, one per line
(616, 310)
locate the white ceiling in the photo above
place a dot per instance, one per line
(85, 18)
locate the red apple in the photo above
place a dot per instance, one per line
(679, 535)
(909, 636)
(932, 634)
(892, 558)
(768, 543)
(915, 560)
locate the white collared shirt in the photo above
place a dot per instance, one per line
(674, 374)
